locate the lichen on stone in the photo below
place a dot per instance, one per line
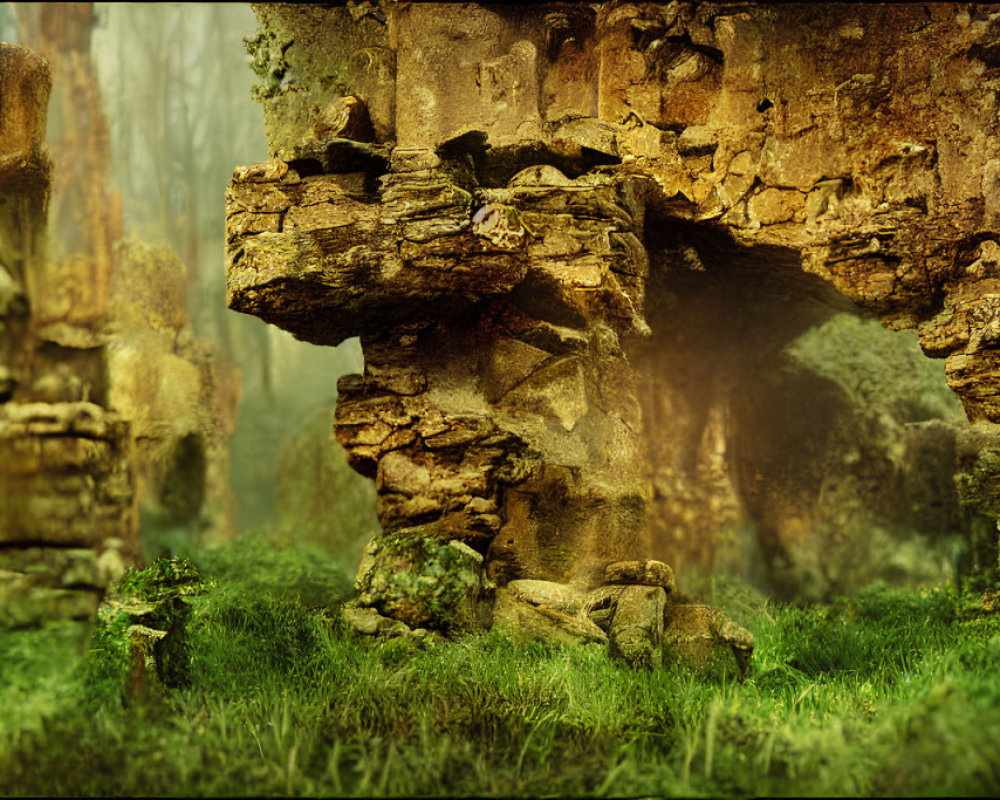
(423, 580)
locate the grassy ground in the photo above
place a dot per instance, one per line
(885, 693)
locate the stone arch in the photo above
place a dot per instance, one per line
(503, 323)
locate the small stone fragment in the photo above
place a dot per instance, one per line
(260, 173)
(500, 224)
(701, 635)
(740, 640)
(405, 159)
(640, 573)
(558, 596)
(368, 622)
(637, 626)
(345, 118)
(540, 175)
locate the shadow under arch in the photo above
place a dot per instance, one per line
(745, 441)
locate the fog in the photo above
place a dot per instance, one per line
(175, 87)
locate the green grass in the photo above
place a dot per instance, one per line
(883, 693)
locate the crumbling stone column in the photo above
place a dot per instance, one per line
(106, 397)
(109, 320)
(525, 212)
(492, 293)
(66, 520)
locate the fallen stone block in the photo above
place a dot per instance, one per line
(368, 622)
(636, 632)
(702, 636)
(527, 622)
(640, 573)
(557, 596)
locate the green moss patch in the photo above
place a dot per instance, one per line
(885, 692)
(416, 576)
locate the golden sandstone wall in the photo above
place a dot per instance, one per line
(574, 237)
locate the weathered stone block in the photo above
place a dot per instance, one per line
(64, 475)
(557, 596)
(702, 637)
(526, 620)
(454, 75)
(57, 566)
(368, 622)
(977, 477)
(636, 633)
(141, 637)
(640, 573)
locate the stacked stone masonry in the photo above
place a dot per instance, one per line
(542, 190)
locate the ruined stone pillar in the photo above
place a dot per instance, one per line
(110, 312)
(65, 484)
(569, 235)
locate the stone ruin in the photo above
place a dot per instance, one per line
(110, 408)
(570, 237)
(66, 520)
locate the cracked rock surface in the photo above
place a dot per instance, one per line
(562, 199)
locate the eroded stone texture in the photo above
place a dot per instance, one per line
(66, 478)
(637, 626)
(527, 617)
(640, 573)
(582, 233)
(67, 525)
(702, 636)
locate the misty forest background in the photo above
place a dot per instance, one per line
(175, 86)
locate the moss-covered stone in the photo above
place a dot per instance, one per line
(636, 633)
(164, 579)
(425, 581)
(704, 638)
(140, 642)
(308, 56)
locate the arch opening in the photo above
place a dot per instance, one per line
(793, 441)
